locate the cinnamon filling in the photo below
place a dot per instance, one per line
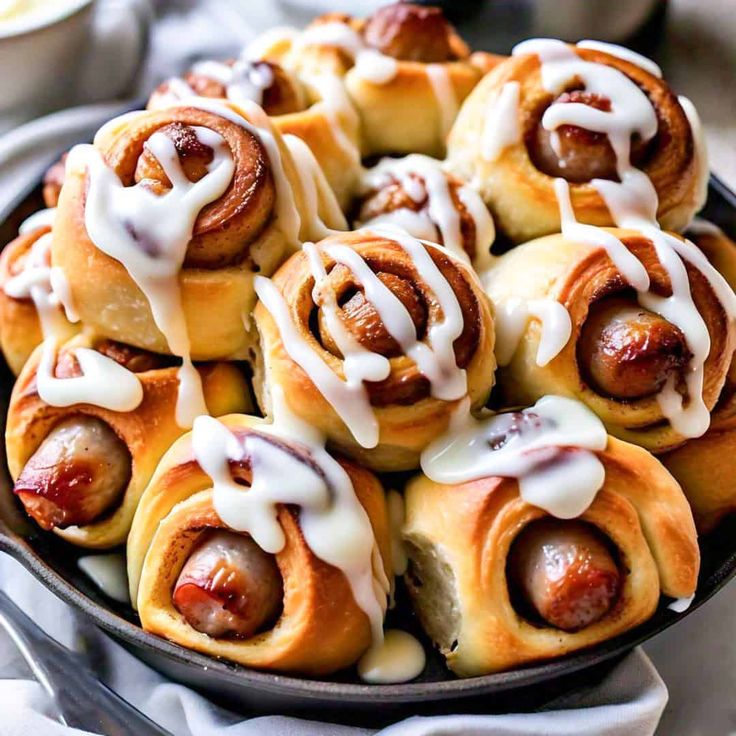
(574, 153)
(405, 384)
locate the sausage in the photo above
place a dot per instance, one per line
(364, 322)
(410, 32)
(393, 196)
(194, 157)
(78, 473)
(281, 95)
(565, 573)
(229, 587)
(626, 352)
(581, 154)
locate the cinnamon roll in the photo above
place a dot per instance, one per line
(405, 69)
(318, 114)
(30, 291)
(87, 424)
(374, 337)
(416, 194)
(592, 115)
(164, 221)
(706, 466)
(532, 534)
(638, 325)
(240, 549)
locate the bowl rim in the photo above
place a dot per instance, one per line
(26, 26)
(306, 689)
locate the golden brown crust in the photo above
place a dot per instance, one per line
(238, 225)
(408, 416)
(53, 180)
(392, 196)
(407, 114)
(472, 526)
(577, 276)
(20, 327)
(522, 197)
(706, 466)
(321, 628)
(147, 431)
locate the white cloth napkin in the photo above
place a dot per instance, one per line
(629, 701)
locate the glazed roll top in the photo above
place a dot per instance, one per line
(87, 424)
(705, 465)
(374, 337)
(252, 545)
(587, 114)
(264, 82)
(163, 222)
(34, 297)
(638, 327)
(173, 211)
(532, 534)
(416, 194)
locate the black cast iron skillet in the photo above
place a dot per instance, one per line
(54, 563)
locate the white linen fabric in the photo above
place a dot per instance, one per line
(629, 701)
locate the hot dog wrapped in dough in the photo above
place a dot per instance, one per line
(254, 546)
(87, 424)
(533, 534)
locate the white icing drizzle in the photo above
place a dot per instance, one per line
(349, 400)
(260, 47)
(511, 318)
(245, 79)
(174, 91)
(501, 128)
(485, 229)
(108, 573)
(701, 150)
(549, 448)
(444, 92)
(335, 104)
(434, 357)
(34, 282)
(103, 382)
(622, 52)
(63, 291)
(375, 67)
(699, 227)
(149, 235)
(400, 658)
(42, 218)
(369, 64)
(422, 178)
(632, 202)
(680, 605)
(334, 524)
(258, 124)
(316, 190)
